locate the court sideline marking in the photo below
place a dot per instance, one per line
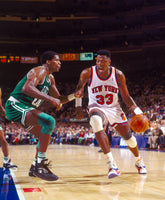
(17, 186)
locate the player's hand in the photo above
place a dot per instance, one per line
(79, 94)
(59, 107)
(79, 113)
(56, 103)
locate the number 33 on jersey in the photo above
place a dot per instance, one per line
(103, 92)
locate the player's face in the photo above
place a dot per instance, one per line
(102, 62)
(55, 64)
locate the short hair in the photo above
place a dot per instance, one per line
(104, 52)
(47, 55)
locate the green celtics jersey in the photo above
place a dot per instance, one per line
(23, 98)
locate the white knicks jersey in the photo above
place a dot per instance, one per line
(103, 92)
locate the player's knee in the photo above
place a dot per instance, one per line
(47, 122)
(49, 125)
(127, 136)
(131, 142)
(96, 123)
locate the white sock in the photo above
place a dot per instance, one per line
(41, 156)
(34, 162)
(6, 159)
(138, 158)
(109, 157)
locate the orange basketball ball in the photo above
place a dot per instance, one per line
(139, 123)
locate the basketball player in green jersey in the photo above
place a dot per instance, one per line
(6, 159)
(22, 107)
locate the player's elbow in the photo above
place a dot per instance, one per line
(127, 100)
(25, 89)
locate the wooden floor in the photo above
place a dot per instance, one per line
(82, 172)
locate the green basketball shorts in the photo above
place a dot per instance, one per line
(16, 111)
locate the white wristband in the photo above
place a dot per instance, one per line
(71, 97)
(138, 111)
(78, 102)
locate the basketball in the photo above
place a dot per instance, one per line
(139, 123)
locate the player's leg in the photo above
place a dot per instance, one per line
(96, 121)
(35, 131)
(47, 122)
(4, 144)
(125, 132)
(6, 160)
(106, 129)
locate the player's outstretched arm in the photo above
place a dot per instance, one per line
(53, 91)
(128, 100)
(83, 80)
(66, 99)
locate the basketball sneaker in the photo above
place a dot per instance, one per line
(140, 166)
(31, 171)
(113, 170)
(42, 171)
(10, 165)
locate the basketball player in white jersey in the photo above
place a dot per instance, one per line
(104, 83)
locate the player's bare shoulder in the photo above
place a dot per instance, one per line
(119, 72)
(37, 72)
(86, 74)
(120, 76)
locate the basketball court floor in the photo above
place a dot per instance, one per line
(82, 172)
